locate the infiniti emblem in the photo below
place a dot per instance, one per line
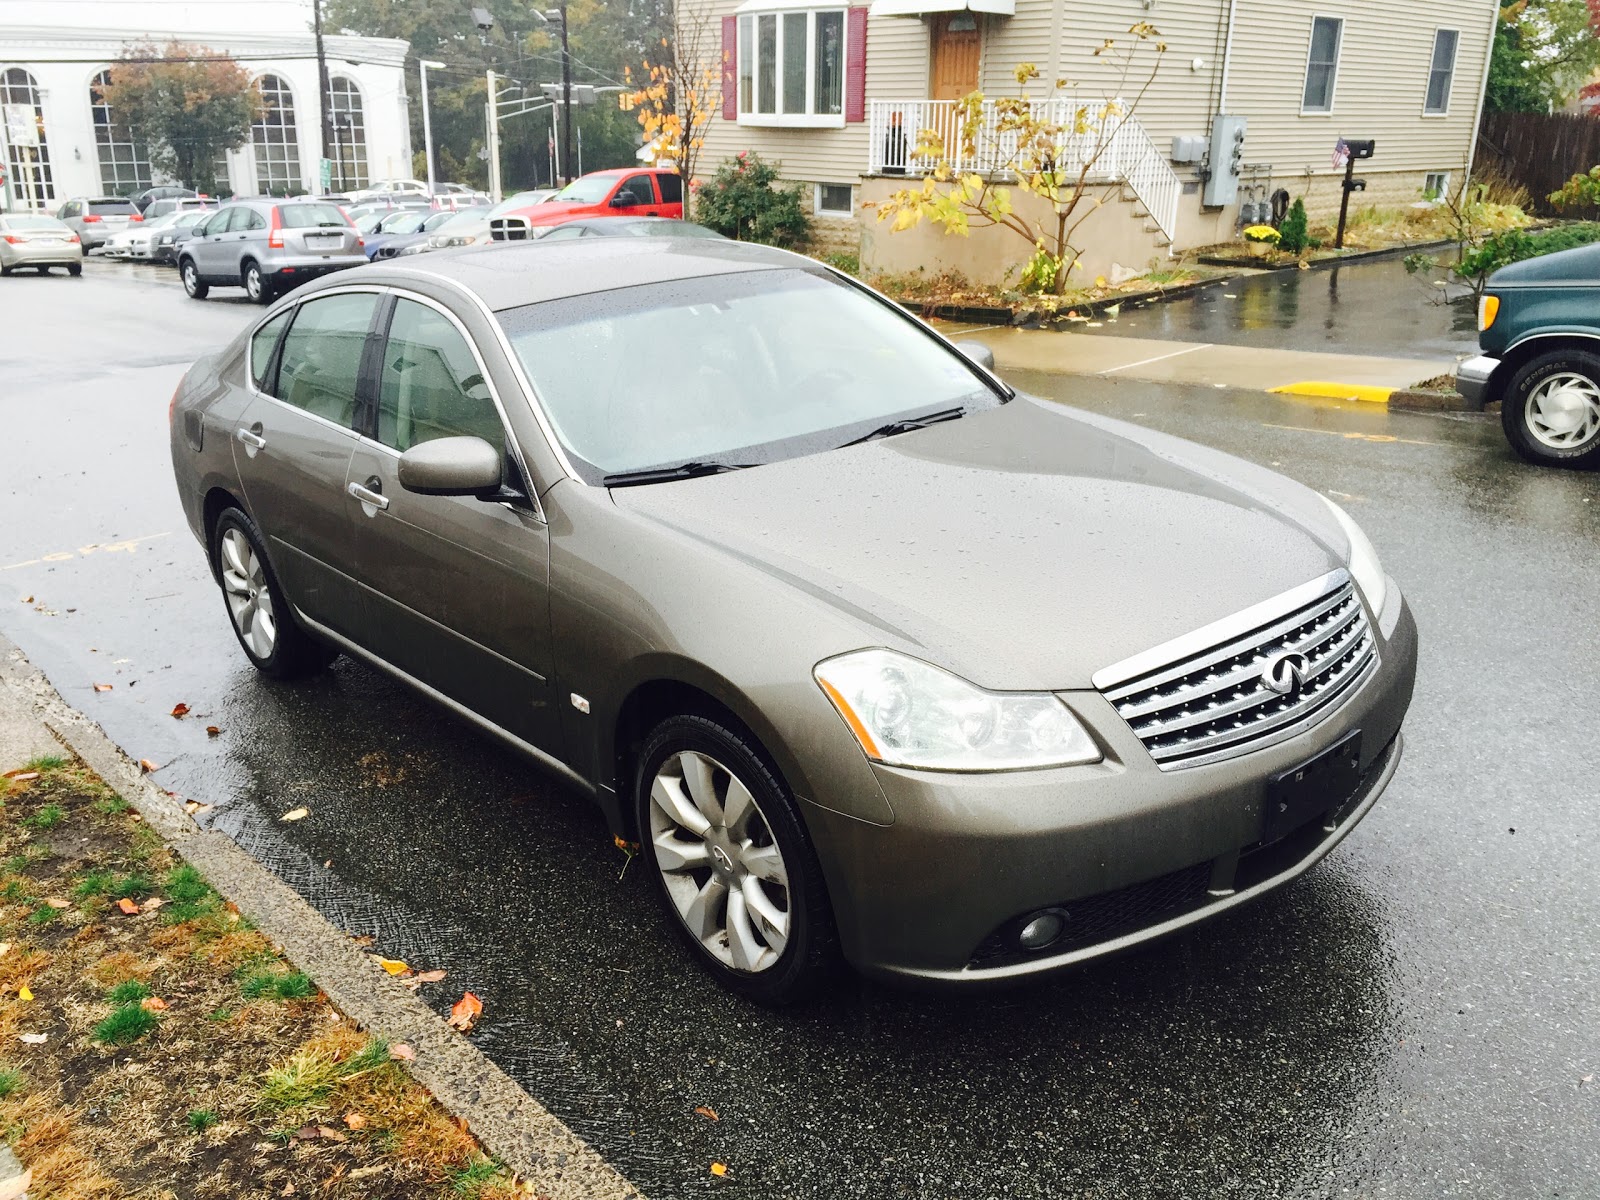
(1285, 674)
(722, 858)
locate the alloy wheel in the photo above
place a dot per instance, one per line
(244, 582)
(252, 281)
(1563, 411)
(722, 868)
(190, 278)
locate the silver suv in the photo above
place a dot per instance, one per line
(267, 247)
(95, 218)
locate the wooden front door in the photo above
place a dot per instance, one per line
(956, 48)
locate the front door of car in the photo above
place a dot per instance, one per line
(458, 586)
(643, 190)
(246, 236)
(205, 247)
(292, 450)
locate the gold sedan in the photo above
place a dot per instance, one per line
(38, 241)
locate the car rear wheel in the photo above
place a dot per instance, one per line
(74, 268)
(256, 285)
(1551, 411)
(261, 618)
(723, 838)
(6, 270)
(191, 280)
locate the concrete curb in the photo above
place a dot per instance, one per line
(1423, 400)
(977, 314)
(509, 1123)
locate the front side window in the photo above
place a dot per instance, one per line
(791, 64)
(262, 343)
(640, 188)
(431, 385)
(1322, 64)
(322, 355)
(754, 391)
(1441, 72)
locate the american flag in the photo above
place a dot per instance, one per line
(1341, 154)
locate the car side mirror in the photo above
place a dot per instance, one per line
(623, 200)
(978, 353)
(451, 466)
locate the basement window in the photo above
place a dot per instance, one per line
(833, 200)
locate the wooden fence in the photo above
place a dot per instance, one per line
(1541, 152)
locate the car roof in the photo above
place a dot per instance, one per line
(509, 275)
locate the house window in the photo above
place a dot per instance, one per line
(1435, 184)
(349, 123)
(1442, 72)
(32, 184)
(833, 200)
(1322, 64)
(124, 159)
(791, 67)
(276, 143)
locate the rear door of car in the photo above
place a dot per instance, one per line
(458, 587)
(670, 185)
(293, 445)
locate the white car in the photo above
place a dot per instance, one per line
(388, 188)
(138, 242)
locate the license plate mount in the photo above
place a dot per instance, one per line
(1311, 789)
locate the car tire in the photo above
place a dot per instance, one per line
(6, 271)
(1551, 409)
(191, 280)
(256, 284)
(733, 936)
(74, 268)
(262, 620)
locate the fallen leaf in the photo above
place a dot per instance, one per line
(1587, 1079)
(288, 1190)
(5, 949)
(194, 806)
(35, 1039)
(17, 1186)
(180, 710)
(23, 993)
(354, 1120)
(393, 965)
(28, 600)
(128, 907)
(296, 814)
(329, 1134)
(55, 903)
(213, 730)
(153, 903)
(430, 976)
(465, 1012)
(364, 940)
(21, 776)
(709, 1113)
(102, 687)
(401, 1052)
(720, 1170)
(153, 1004)
(148, 767)
(307, 1133)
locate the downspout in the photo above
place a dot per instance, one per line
(1483, 95)
(1227, 59)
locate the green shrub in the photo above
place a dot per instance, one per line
(743, 201)
(129, 991)
(1293, 235)
(128, 1024)
(277, 985)
(1581, 191)
(841, 260)
(1514, 245)
(201, 1119)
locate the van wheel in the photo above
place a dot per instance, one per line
(256, 285)
(722, 835)
(191, 280)
(1551, 410)
(262, 621)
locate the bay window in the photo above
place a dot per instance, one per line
(791, 66)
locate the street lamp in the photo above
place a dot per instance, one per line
(427, 121)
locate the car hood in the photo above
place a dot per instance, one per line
(1578, 265)
(1024, 547)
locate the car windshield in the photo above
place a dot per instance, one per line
(30, 222)
(311, 216)
(402, 222)
(591, 189)
(520, 200)
(367, 222)
(165, 221)
(440, 220)
(111, 207)
(186, 219)
(781, 364)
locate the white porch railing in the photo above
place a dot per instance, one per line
(1126, 153)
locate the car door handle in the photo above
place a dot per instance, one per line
(253, 440)
(367, 496)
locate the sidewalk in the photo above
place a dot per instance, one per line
(1295, 372)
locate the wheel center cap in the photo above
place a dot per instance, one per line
(722, 859)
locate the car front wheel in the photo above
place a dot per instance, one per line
(191, 280)
(723, 838)
(267, 631)
(1551, 410)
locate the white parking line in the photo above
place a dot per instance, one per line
(1143, 362)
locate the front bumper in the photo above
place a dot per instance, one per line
(1126, 851)
(1474, 379)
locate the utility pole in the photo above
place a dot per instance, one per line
(322, 85)
(492, 114)
(566, 98)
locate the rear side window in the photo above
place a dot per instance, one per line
(671, 188)
(432, 387)
(321, 358)
(247, 219)
(262, 344)
(103, 208)
(309, 216)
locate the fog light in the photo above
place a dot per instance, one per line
(1040, 931)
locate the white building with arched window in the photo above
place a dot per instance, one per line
(54, 59)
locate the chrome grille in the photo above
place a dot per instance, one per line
(509, 229)
(1211, 695)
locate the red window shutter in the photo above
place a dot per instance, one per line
(855, 65)
(730, 68)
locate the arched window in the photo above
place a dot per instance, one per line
(349, 149)
(276, 144)
(32, 184)
(124, 158)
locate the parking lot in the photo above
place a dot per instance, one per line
(1416, 1017)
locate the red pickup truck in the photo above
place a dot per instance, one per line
(625, 192)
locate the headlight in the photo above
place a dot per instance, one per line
(911, 714)
(1364, 565)
(415, 248)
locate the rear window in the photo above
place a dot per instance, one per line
(310, 216)
(27, 222)
(111, 207)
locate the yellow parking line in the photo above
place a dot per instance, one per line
(1353, 436)
(1366, 392)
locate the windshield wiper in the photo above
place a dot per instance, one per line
(907, 424)
(686, 470)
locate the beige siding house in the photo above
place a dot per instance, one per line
(1250, 98)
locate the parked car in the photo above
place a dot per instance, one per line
(456, 201)
(1016, 687)
(94, 219)
(39, 241)
(1539, 333)
(392, 226)
(165, 191)
(268, 246)
(138, 242)
(170, 239)
(626, 192)
(472, 229)
(160, 208)
(417, 242)
(389, 204)
(388, 188)
(626, 227)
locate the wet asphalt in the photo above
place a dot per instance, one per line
(1371, 306)
(1419, 1016)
